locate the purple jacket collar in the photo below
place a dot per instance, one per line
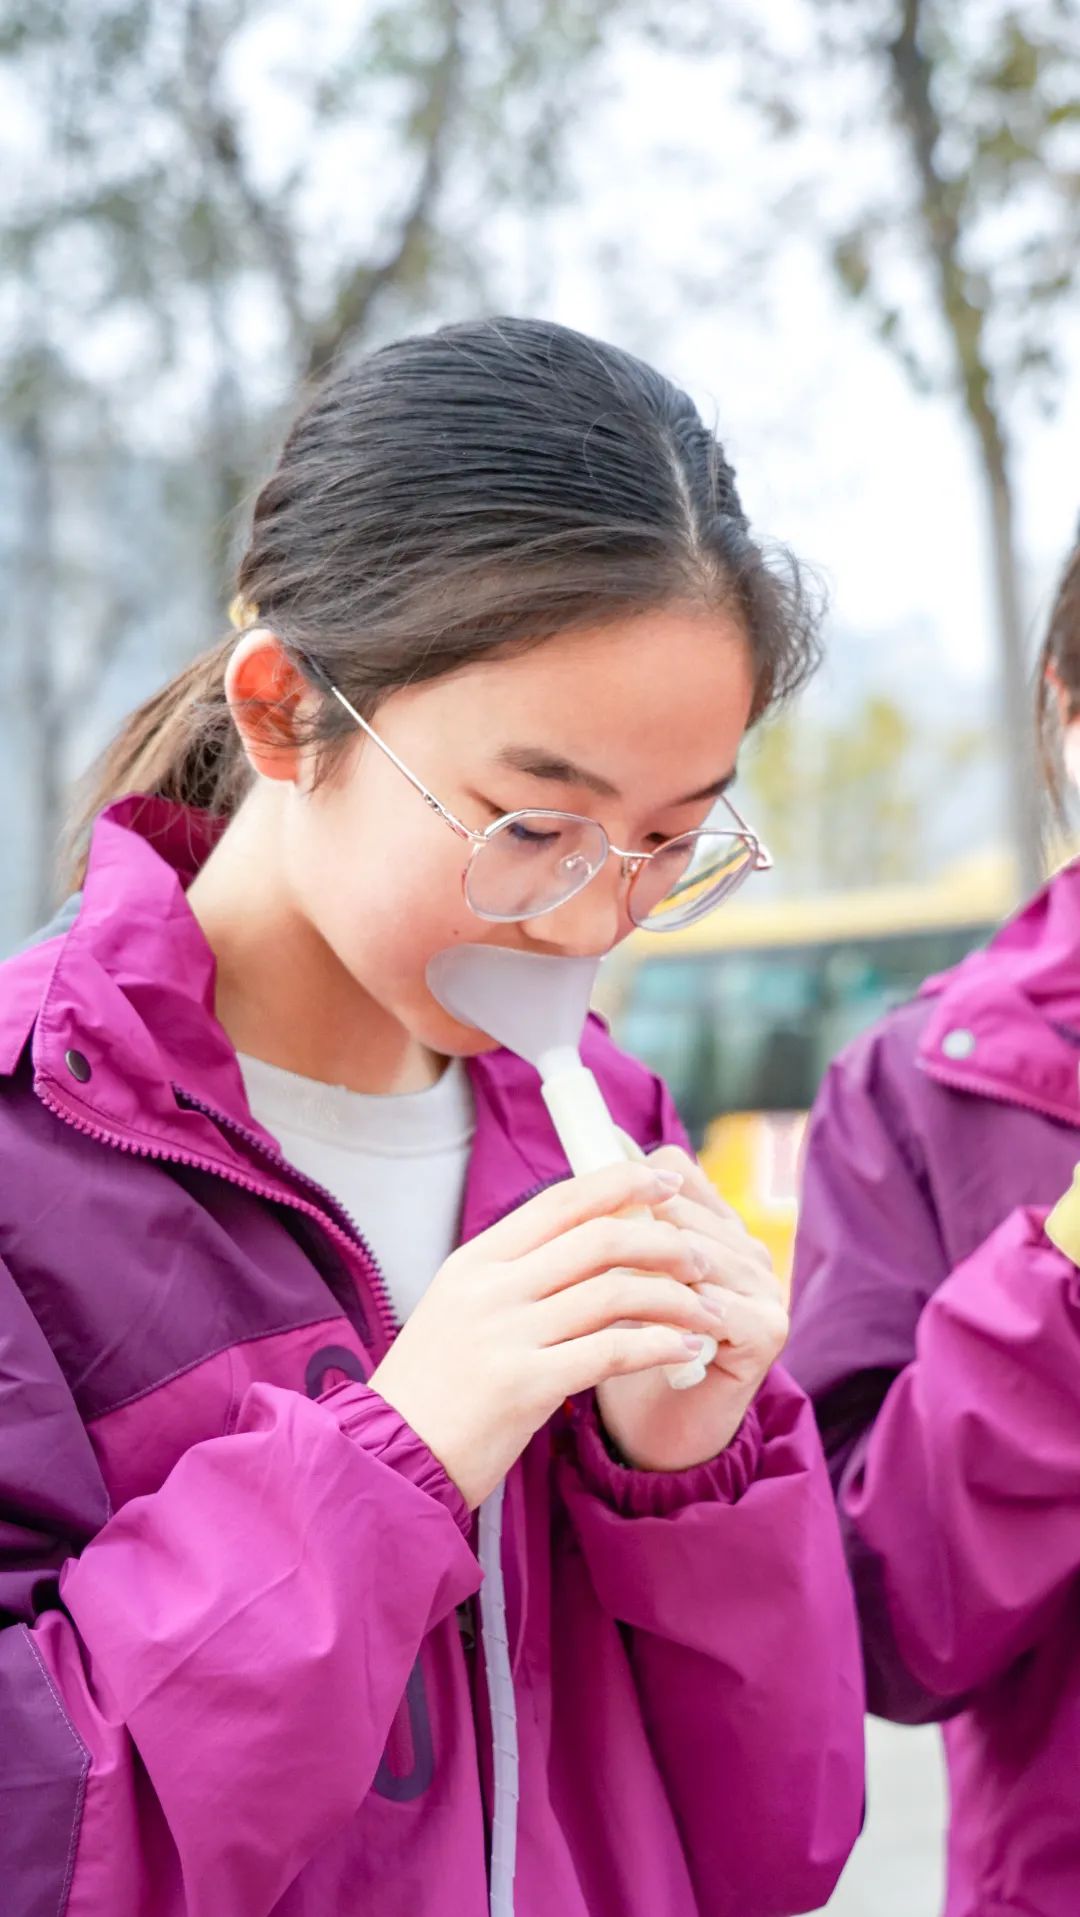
(1006, 1023)
(120, 1014)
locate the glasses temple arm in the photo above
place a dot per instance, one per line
(324, 680)
(763, 859)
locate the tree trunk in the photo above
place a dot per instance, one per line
(41, 724)
(1014, 679)
(940, 210)
(226, 453)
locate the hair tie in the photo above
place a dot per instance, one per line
(243, 613)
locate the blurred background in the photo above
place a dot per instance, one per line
(851, 227)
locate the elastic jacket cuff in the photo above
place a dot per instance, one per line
(366, 1418)
(658, 1494)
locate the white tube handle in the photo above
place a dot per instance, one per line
(592, 1140)
(695, 1370)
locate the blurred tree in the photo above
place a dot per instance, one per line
(983, 98)
(864, 784)
(989, 124)
(209, 200)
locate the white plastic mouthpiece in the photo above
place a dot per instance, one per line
(536, 1005)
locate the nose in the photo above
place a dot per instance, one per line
(589, 924)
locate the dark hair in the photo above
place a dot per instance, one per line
(477, 488)
(1061, 653)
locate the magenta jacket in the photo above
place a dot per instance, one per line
(235, 1668)
(939, 1334)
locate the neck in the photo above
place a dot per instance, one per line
(281, 994)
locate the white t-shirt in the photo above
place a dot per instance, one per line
(396, 1163)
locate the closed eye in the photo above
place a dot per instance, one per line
(528, 828)
(524, 834)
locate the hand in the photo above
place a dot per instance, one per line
(534, 1310)
(658, 1429)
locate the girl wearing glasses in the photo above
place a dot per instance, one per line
(937, 1324)
(293, 1277)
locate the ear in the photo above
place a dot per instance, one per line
(266, 693)
(1062, 697)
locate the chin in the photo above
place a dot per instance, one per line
(435, 1028)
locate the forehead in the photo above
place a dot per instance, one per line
(669, 683)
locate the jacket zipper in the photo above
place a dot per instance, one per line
(327, 1213)
(504, 1211)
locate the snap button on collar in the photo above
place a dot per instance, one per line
(78, 1066)
(959, 1043)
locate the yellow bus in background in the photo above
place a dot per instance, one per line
(742, 1013)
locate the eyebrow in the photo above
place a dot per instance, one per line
(537, 763)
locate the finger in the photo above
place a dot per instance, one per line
(615, 1353)
(757, 1325)
(743, 1261)
(599, 1194)
(692, 1214)
(642, 1243)
(616, 1296)
(696, 1182)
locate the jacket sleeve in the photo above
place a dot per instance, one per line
(868, 1258)
(743, 1640)
(948, 1404)
(744, 1644)
(969, 1491)
(203, 1696)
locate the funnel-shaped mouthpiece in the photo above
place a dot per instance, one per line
(533, 1004)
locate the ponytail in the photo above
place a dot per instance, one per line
(180, 744)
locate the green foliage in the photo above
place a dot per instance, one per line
(985, 100)
(845, 802)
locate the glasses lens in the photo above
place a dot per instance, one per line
(533, 862)
(688, 877)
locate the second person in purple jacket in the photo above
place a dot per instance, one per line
(938, 1331)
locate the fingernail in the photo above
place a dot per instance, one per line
(668, 1181)
(713, 1299)
(696, 1345)
(702, 1263)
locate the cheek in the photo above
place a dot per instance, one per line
(402, 905)
(381, 884)
(385, 896)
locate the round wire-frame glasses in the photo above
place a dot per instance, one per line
(532, 861)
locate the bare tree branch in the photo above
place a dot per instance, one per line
(359, 292)
(217, 137)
